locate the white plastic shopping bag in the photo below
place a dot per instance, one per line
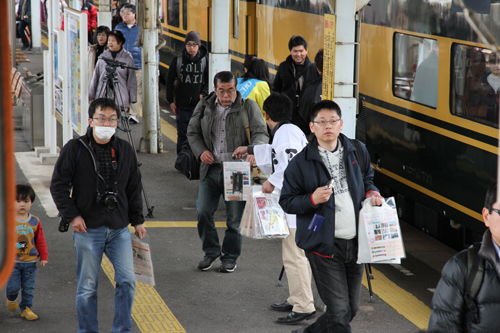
(143, 265)
(379, 234)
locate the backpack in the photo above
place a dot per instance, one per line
(186, 162)
(475, 273)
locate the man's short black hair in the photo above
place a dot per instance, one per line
(491, 197)
(318, 60)
(24, 192)
(118, 36)
(297, 40)
(129, 6)
(325, 104)
(103, 103)
(278, 106)
(224, 77)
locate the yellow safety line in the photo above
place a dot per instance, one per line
(149, 311)
(178, 224)
(168, 130)
(402, 301)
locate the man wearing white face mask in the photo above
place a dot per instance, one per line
(102, 172)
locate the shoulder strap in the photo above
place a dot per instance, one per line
(203, 64)
(179, 64)
(359, 155)
(475, 272)
(244, 118)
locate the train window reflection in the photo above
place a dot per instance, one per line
(416, 68)
(184, 14)
(173, 13)
(475, 83)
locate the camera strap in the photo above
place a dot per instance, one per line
(114, 165)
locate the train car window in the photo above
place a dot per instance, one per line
(416, 68)
(173, 13)
(184, 14)
(475, 84)
(236, 18)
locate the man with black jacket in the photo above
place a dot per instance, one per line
(187, 85)
(327, 215)
(24, 17)
(453, 310)
(96, 185)
(294, 74)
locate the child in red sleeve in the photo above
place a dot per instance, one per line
(30, 245)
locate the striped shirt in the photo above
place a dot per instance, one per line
(219, 131)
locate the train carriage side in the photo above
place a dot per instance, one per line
(429, 131)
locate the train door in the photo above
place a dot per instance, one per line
(242, 41)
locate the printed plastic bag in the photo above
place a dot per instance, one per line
(263, 217)
(379, 235)
(143, 265)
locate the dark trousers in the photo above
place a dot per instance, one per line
(338, 280)
(21, 29)
(182, 120)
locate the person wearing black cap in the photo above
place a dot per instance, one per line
(187, 83)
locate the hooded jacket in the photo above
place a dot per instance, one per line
(199, 131)
(185, 89)
(449, 310)
(304, 174)
(127, 81)
(76, 169)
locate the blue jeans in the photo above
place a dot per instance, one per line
(338, 280)
(211, 189)
(117, 245)
(23, 278)
(182, 120)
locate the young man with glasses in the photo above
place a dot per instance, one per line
(216, 130)
(453, 308)
(327, 217)
(96, 185)
(187, 83)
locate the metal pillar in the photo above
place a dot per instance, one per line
(36, 27)
(220, 59)
(12, 31)
(104, 16)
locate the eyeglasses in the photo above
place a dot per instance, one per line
(102, 34)
(324, 122)
(103, 121)
(192, 45)
(495, 210)
(225, 92)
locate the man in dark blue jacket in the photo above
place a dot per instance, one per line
(130, 31)
(326, 223)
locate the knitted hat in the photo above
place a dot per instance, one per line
(193, 36)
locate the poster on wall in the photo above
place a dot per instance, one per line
(76, 51)
(57, 80)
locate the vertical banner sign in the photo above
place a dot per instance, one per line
(329, 57)
(58, 92)
(77, 61)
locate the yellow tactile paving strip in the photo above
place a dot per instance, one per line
(149, 312)
(402, 301)
(168, 130)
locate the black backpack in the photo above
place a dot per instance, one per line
(475, 273)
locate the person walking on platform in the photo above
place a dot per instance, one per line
(467, 297)
(287, 140)
(187, 83)
(313, 93)
(95, 50)
(30, 246)
(127, 85)
(255, 83)
(216, 129)
(324, 186)
(105, 197)
(24, 17)
(130, 31)
(293, 75)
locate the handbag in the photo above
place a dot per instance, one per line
(187, 163)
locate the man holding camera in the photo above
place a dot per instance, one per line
(96, 185)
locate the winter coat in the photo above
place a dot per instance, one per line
(91, 12)
(127, 81)
(92, 61)
(75, 168)
(312, 94)
(131, 35)
(449, 310)
(304, 174)
(199, 132)
(191, 82)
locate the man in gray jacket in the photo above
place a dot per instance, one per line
(215, 129)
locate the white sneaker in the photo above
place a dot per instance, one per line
(133, 119)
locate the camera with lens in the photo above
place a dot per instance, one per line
(108, 199)
(63, 225)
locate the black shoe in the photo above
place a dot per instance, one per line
(206, 262)
(295, 317)
(24, 48)
(284, 307)
(227, 266)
